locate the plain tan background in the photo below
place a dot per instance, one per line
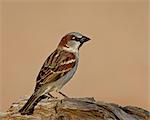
(113, 65)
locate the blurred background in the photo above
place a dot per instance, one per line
(113, 65)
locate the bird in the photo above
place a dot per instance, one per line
(57, 70)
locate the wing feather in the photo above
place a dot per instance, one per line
(55, 66)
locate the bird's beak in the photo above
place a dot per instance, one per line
(84, 39)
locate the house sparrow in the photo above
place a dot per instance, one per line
(57, 70)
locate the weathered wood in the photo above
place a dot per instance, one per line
(76, 109)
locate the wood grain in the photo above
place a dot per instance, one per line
(76, 109)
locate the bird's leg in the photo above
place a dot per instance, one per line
(63, 94)
(50, 96)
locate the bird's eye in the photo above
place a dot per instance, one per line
(73, 38)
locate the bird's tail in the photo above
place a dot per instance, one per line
(28, 108)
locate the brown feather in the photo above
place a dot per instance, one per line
(51, 69)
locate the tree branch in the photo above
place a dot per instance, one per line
(76, 109)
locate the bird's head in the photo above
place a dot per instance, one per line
(73, 41)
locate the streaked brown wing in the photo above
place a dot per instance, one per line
(55, 66)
